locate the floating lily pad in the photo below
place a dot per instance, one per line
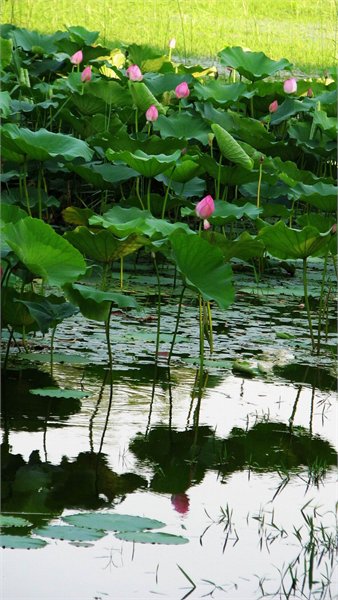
(8, 521)
(58, 357)
(151, 537)
(21, 542)
(113, 522)
(51, 392)
(68, 532)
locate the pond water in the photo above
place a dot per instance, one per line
(241, 465)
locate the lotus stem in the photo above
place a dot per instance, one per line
(306, 302)
(52, 350)
(121, 273)
(259, 183)
(252, 113)
(39, 191)
(176, 324)
(25, 188)
(137, 189)
(211, 340)
(11, 334)
(167, 194)
(158, 331)
(148, 194)
(201, 323)
(110, 370)
(136, 120)
(321, 298)
(218, 190)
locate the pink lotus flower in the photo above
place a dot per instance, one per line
(86, 74)
(310, 93)
(134, 73)
(273, 106)
(290, 86)
(180, 503)
(205, 207)
(152, 114)
(172, 43)
(182, 90)
(76, 58)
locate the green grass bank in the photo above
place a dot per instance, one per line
(304, 31)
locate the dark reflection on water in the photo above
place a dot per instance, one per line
(181, 458)
(317, 377)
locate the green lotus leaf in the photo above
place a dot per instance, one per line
(95, 304)
(228, 174)
(287, 243)
(45, 44)
(87, 104)
(183, 125)
(111, 92)
(103, 246)
(68, 532)
(313, 142)
(48, 311)
(11, 213)
(321, 195)
(44, 252)
(6, 49)
(148, 165)
(322, 222)
(143, 98)
(152, 537)
(290, 107)
(184, 171)
(159, 83)
(21, 542)
(5, 104)
(14, 312)
(113, 521)
(325, 123)
(58, 357)
(77, 216)
(8, 521)
(81, 35)
(222, 93)
(245, 247)
(230, 148)
(202, 266)
(252, 65)
(226, 212)
(103, 175)
(50, 392)
(43, 145)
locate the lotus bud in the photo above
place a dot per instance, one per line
(334, 228)
(273, 107)
(210, 138)
(182, 90)
(310, 93)
(290, 86)
(206, 224)
(205, 207)
(77, 58)
(180, 503)
(172, 43)
(86, 74)
(152, 114)
(134, 73)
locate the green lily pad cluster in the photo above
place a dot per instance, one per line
(87, 528)
(91, 182)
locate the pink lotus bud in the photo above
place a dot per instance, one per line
(172, 43)
(182, 90)
(273, 106)
(152, 114)
(206, 224)
(86, 74)
(290, 86)
(134, 73)
(205, 207)
(180, 503)
(77, 58)
(334, 228)
(310, 93)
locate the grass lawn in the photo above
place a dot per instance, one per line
(304, 31)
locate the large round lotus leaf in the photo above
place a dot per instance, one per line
(58, 393)
(8, 521)
(230, 148)
(287, 243)
(81, 35)
(183, 125)
(245, 247)
(222, 93)
(77, 216)
(167, 82)
(103, 175)
(11, 214)
(113, 522)
(148, 165)
(111, 92)
(104, 246)
(20, 542)
(184, 171)
(252, 65)
(14, 312)
(31, 40)
(48, 311)
(287, 109)
(202, 266)
(152, 537)
(95, 304)
(321, 195)
(68, 532)
(43, 251)
(6, 49)
(143, 98)
(43, 145)
(5, 100)
(226, 212)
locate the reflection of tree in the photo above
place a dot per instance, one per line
(39, 487)
(181, 458)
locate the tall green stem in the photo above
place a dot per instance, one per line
(110, 368)
(137, 189)
(306, 302)
(321, 301)
(176, 325)
(201, 323)
(218, 191)
(158, 309)
(148, 194)
(167, 194)
(52, 350)
(25, 188)
(11, 334)
(259, 184)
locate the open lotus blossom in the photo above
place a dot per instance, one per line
(134, 73)
(180, 503)
(205, 207)
(290, 86)
(273, 106)
(77, 58)
(182, 90)
(152, 114)
(86, 74)
(172, 43)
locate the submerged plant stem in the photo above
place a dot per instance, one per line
(176, 325)
(110, 370)
(158, 309)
